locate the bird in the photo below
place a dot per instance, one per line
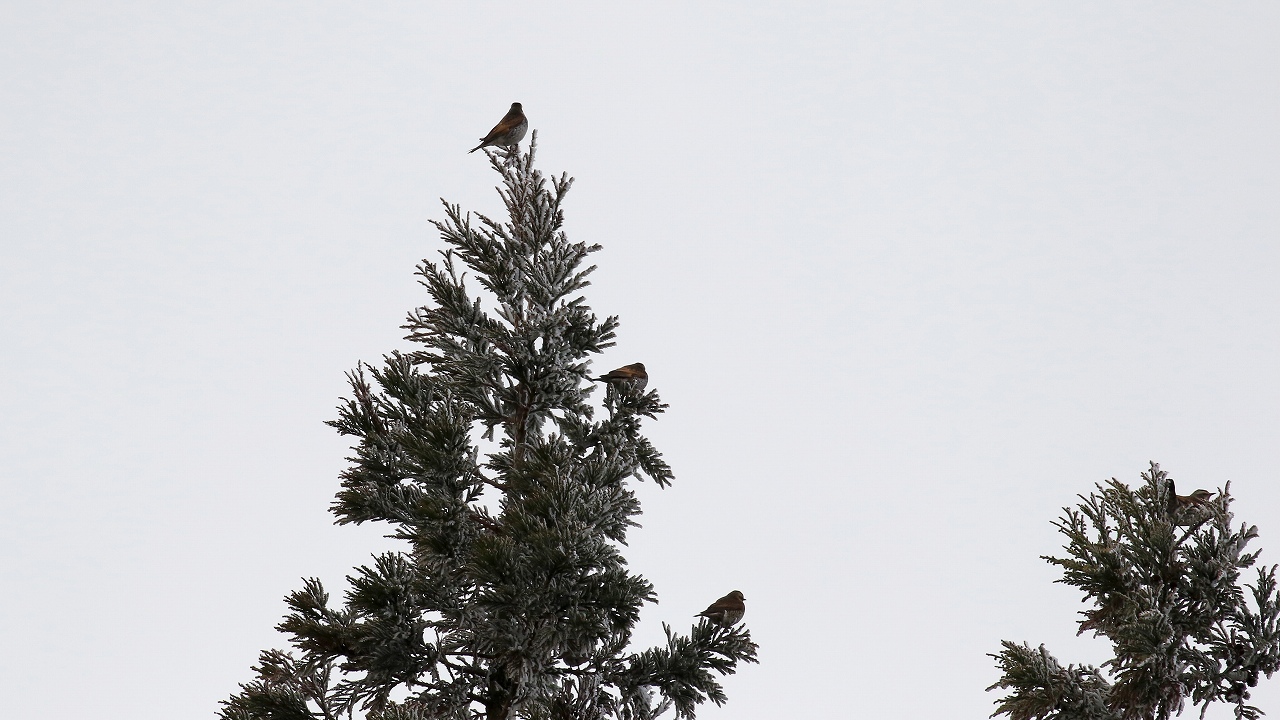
(727, 610)
(509, 131)
(1199, 497)
(632, 375)
(1182, 502)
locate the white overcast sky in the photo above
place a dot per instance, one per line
(911, 276)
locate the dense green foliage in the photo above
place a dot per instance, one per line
(482, 451)
(1162, 574)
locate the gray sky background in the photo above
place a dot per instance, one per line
(911, 277)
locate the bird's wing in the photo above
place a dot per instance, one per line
(507, 124)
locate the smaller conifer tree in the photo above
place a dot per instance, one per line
(483, 454)
(1162, 575)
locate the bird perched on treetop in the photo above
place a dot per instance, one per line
(633, 375)
(509, 131)
(1181, 502)
(727, 610)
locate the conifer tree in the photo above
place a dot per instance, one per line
(1161, 573)
(483, 453)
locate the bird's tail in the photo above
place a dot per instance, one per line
(476, 147)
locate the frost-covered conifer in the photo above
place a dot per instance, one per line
(1162, 575)
(482, 451)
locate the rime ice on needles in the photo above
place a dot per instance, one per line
(1162, 575)
(511, 597)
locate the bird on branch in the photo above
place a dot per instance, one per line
(509, 131)
(727, 610)
(633, 375)
(1178, 503)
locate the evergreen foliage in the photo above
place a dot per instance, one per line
(483, 453)
(1163, 581)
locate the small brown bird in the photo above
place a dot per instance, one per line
(727, 610)
(1182, 502)
(632, 375)
(510, 131)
